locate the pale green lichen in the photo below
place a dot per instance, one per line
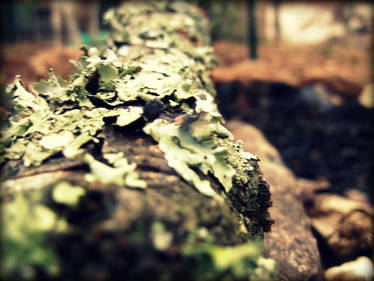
(107, 72)
(40, 130)
(54, 88)
(266, 269)
(67, 194)
(175, 75)
(161, 238)
(35, 154)
(167, 62)
(24, 101)
(23, 239)
(237, 262)
(37, 132)
(122, 173)
(199, 143)
(171, 25)
(129, 115)
(178, 71)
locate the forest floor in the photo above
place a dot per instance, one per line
(346, 58)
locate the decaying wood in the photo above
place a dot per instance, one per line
(109, 216)
(305, 210)
(290, 242)
(168, 229)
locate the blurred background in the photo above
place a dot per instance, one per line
(300, 72)
(333, 36)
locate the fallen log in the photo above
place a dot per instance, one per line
(290, 242)
(126, 170)
(341, 226)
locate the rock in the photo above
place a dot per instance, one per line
(343, 224)
(361, 269)
(366, 97)
(338, 86)
(318, 95)
(290, 241)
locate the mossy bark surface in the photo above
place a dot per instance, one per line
(110, 229)
(97, 187)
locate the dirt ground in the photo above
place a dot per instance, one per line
(32, 61)
(342, 64)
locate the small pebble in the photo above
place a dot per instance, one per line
(361, 269)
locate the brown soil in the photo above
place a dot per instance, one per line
(343, 65)
(33, 60)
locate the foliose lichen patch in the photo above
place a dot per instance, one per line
(152, 81)
(64, 116)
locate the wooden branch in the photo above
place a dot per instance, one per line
(127, 170)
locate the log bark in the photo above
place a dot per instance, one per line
(79, 209)
(290, 242)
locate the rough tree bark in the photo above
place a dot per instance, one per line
(127, 170)
(291, 242)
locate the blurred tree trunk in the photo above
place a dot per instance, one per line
(252, 34)
(63, 13)
(8, 23)
(277, 27)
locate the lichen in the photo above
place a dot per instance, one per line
(23, 240)
(151, 86)
(121, 174)
(217, 262)
(198, 143)
(167, 89)
(67, 194)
